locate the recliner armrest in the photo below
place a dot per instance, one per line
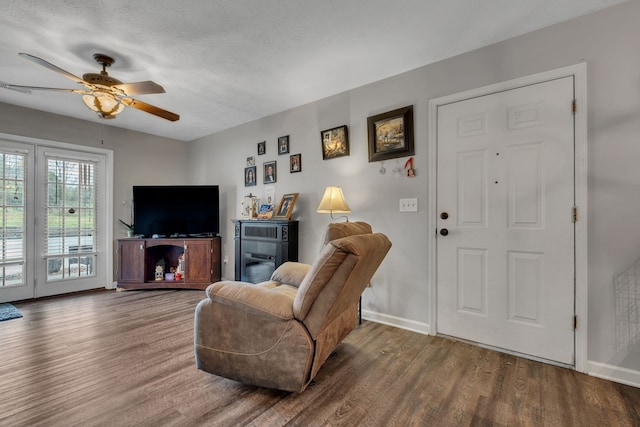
(265, 299)
(291, 273)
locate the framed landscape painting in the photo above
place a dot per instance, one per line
(391, 134)
(335, 142)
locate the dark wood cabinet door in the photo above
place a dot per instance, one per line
(197, 260)
(131, 261)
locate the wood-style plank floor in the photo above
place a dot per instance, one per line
(126, 359)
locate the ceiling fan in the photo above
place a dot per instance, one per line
(102, 93)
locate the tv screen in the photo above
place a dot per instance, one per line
(170, 210)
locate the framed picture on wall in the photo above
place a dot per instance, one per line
(295, 163)
(250, 176)
(262, 148)
(391, 134)
(283, 144)
(335, 142)
(270, 172)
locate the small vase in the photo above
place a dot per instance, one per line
(129, 233)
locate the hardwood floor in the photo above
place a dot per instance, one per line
(126, 359)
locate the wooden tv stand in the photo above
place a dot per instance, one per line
(137, 259)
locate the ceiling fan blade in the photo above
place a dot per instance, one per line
(140, 88)
(23, 89)
(148, 108)
(51, 67)
(28, 89)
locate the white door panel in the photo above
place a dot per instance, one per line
(505, 270)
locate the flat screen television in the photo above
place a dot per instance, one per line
(176, 210)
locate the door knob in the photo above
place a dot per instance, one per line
(444, 215)
(444, 232)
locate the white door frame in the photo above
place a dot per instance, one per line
(579, 72)
(107, 259)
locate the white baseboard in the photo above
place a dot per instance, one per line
(398, 322)
(614, 373)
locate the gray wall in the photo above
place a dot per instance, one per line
(607, 41)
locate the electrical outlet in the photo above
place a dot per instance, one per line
(409, 205)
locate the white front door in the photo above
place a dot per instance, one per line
(505, 197)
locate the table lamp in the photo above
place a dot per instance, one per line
(333, 202)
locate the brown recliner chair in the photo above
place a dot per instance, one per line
(278, 333)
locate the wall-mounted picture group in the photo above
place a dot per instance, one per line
(270, 168)
(390, 135)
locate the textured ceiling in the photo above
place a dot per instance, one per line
(228, 62)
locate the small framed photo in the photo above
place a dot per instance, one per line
(295, 163)
(391, 134)
(250, 176)
(262, 148)
(285, 207)
(270, 172)
(270, 194)
(283, 144)
(266, 211)
(335, 142)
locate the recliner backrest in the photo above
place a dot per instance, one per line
(337, 278)
(338, 230)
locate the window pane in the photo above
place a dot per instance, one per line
(71, 172)
(12, 219)
(86, 197)
(14, 193)
(70, 195)
(71, 222)
(55, 194)
(13, 275)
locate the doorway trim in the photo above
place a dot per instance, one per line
(579, 73)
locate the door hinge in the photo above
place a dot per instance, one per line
(574, 214)
(574, 106)
(575, 322)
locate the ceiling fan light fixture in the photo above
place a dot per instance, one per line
(106, 105)
(102, 93)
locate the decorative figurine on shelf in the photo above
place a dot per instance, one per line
(160, 270)
(249, 207)
(179, 270)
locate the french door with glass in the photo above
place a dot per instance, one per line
(17, 212)
(53, 226)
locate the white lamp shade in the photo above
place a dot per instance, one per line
(333, 202)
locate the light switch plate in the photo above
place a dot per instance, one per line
(409, 205)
